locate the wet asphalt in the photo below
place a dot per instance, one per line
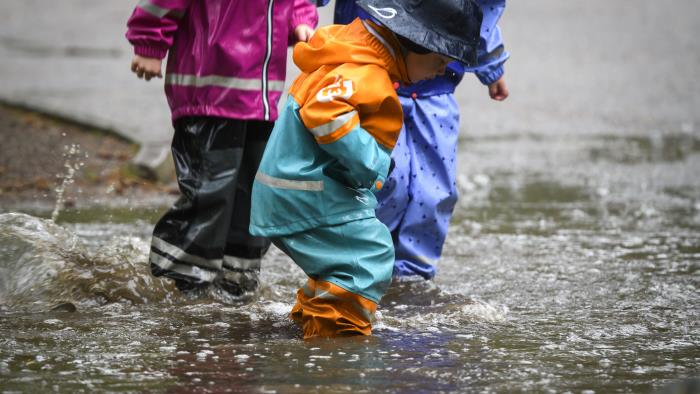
(594, 67)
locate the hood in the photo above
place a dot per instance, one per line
(353, 43)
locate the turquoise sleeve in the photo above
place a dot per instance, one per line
(364, 163)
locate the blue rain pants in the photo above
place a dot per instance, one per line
(418, 198)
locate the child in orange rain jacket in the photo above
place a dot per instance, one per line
(329, 152)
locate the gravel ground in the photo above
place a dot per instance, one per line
(41, 155)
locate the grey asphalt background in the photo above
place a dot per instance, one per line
(577, 67)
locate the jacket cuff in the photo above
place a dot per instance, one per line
(492, 75)
(296, 20)
(151, 52)
(382, 174)
(302, 19)
(306, 14)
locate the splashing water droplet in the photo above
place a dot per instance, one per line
(70, 155)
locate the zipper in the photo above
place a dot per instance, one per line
(268, 54)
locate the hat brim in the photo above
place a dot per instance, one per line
(396, 19)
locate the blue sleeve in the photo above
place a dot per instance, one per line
(346, 11)
(491, 53)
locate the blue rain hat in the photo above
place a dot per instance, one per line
(447, 27)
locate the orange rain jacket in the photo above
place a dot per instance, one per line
(330, 149)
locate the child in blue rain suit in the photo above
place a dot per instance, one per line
(329, 153)
(418, 199)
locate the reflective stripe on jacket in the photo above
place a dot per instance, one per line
(226, 58)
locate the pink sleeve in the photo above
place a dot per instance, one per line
(152, 26)
(304, 12)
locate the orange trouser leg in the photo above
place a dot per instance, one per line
(326, 310)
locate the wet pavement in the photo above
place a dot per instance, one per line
(576, 67)
(71, 60)
(571, 266)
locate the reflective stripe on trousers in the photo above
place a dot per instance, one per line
(207, 229)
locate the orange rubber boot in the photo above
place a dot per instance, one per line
(326, 310)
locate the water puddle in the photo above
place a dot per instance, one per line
(581, 276)
(654, 148)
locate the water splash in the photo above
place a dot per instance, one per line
(423, 305)
(71, 166)
(45, 266)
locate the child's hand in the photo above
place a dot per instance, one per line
(146, 67)
(498, 90)
(303, 32)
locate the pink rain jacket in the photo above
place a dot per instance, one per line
(227, 58)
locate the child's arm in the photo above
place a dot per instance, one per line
(151, 29)
(491, 54)
(353, 119)
(304, 20)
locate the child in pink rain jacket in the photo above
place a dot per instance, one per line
(225, 74)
